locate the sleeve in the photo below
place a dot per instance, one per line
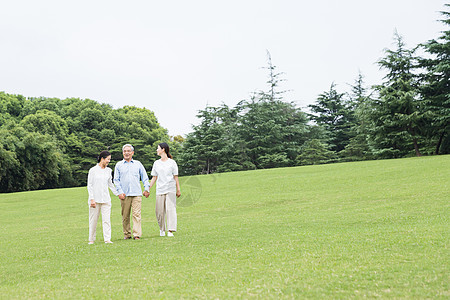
(144, 178)
(117, 179)
(154, 172)
(175, 168)
(111, 185)
(90, 184)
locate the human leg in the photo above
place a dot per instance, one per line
(126, 209)
(93, 219)
(171, 211)
(106, 221)
(160, 210)
(136, 207)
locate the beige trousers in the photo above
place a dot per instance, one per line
(131, 203)
(105, 209)
(166, 205)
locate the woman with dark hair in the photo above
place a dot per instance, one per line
(165, 174)
(99, 179)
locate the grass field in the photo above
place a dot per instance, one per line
(349, 230)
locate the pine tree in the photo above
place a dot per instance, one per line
(435, 88)
(397, 116)
(314, 152)
(358, 146)
(332, 112)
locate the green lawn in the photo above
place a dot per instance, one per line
(349, 230)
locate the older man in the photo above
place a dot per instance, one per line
(128, 174)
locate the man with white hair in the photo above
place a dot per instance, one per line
(128, 174)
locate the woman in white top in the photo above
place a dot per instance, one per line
(99, 179)
(165, 174)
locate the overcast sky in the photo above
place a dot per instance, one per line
(175, 57)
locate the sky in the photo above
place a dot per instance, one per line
(177, 57)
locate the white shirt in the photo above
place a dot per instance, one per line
(98, 182)
(165, 170)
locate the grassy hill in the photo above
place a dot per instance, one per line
(349, 230)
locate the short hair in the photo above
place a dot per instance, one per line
(128, 145)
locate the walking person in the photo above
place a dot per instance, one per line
(99, 180)
(165, 174)
(128, 174)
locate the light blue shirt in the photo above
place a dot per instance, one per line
(128, 176)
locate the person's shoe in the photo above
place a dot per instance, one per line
(137, 238)
(91, 243)
(169, 233)
(108, 242)
(127, 237)
(162, 233)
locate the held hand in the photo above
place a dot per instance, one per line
(146, 194)
(178, 193)
(122, 196)
(92, 203)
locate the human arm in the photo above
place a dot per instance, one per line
(175, 176)
(152, 182)
(178, 185)
(120, 192)
(90, 187)
(144, 178)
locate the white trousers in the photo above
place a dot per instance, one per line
(166, 205)
(94, 212)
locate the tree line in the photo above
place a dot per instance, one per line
(405, 115)
(51, 143)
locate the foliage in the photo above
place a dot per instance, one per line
(263, 132)
(48, 142)
(333, 113)
(404, 115)
(359, 105)
(31, 161)
(407, 114)
(435, 88)
(315, 152)
(398, 116)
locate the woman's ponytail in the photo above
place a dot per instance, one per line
(103, 154)
(166, 149)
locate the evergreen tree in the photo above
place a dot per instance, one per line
(202, 152)
(263, 132)
(274, 80)
(333, 113)
(314, 152)
(359, 103)
(274, 132)
(435, 88)
(397, 116)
